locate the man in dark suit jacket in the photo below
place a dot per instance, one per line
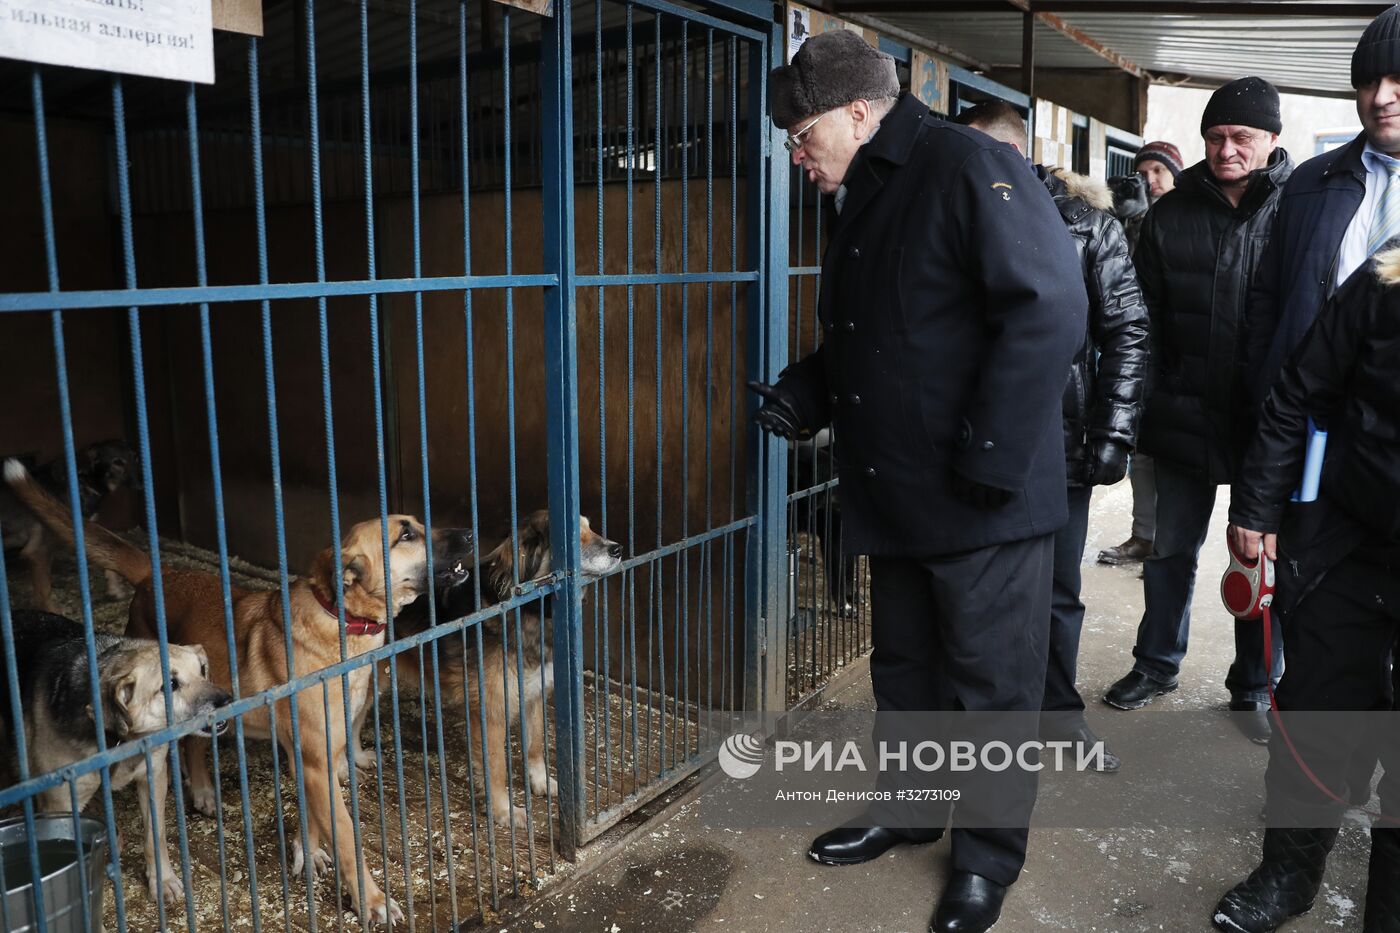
(951, 306)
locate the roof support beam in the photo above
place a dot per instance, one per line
(876, 7)
(1082, 38)
(1028, 57)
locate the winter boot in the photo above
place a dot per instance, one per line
(1383, 886)
(1283, 886)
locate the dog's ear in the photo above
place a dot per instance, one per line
(497, 569)
(123, 695)
(203, 661)
(354, 572)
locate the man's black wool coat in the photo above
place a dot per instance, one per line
(951, 306)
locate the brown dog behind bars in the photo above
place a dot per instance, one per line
(195, 616)
(493, 683)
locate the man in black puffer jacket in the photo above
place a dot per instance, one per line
(1102, 403)
(1338, 595)
(1196, 260)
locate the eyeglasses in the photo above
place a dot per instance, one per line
(796, 141)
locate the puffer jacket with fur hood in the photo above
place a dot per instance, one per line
(1103, 399)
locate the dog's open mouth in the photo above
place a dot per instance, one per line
(213, 730)
(454, 576)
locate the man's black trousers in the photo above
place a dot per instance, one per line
(1340, 638)
(967, 631)
(1066, 608)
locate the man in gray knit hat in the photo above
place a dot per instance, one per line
(951, 306)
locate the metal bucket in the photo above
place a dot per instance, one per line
(71, 863)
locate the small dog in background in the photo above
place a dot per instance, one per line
(526, 558)
(102, 469)
(56, 714)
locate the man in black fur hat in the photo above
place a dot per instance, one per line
(951, 307)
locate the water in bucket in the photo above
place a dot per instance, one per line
(64, 876)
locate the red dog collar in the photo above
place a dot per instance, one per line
(354, 625)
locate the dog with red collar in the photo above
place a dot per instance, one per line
(362, 585)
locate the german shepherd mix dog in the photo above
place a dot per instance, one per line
(101, 469)
(194, 613)
(56, 714)
(500, 686)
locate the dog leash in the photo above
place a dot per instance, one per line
(1288, 740)
(1248, 592)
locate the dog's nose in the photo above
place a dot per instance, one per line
(222, 699)
(614, 549)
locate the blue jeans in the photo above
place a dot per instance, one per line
(1184, 506)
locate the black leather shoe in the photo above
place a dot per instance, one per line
(1137, 690)
(1251, 717)
(851, 845)
(1082, 737)
(1283, 886)
(970, 904)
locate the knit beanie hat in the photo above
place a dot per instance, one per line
(1378, 52)
(1247, 102)
(1163, 152)
(829, 70)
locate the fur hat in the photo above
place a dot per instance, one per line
(1378, 52)
(1164, 152)
(1247, 102)
(829, 70)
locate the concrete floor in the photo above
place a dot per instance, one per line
(689, 871)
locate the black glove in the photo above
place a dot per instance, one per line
(1110, 463)
(978, 494)
(778, 414)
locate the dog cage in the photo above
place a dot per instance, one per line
(449, 259)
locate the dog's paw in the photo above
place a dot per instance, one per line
(170, 888)
(320, 861)
(364, 759)
(202, 798)
(504, 816)
(381, 909)
(541, 784)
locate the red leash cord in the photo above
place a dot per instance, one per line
(1287, 739)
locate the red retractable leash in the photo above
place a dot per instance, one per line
(1247, 589)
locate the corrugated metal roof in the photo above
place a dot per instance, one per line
(1304, 53)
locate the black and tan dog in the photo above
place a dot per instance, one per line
(60, 727)
(102, 468)
(465, 678)
(195, 615)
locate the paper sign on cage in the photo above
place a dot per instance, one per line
(155, 38)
